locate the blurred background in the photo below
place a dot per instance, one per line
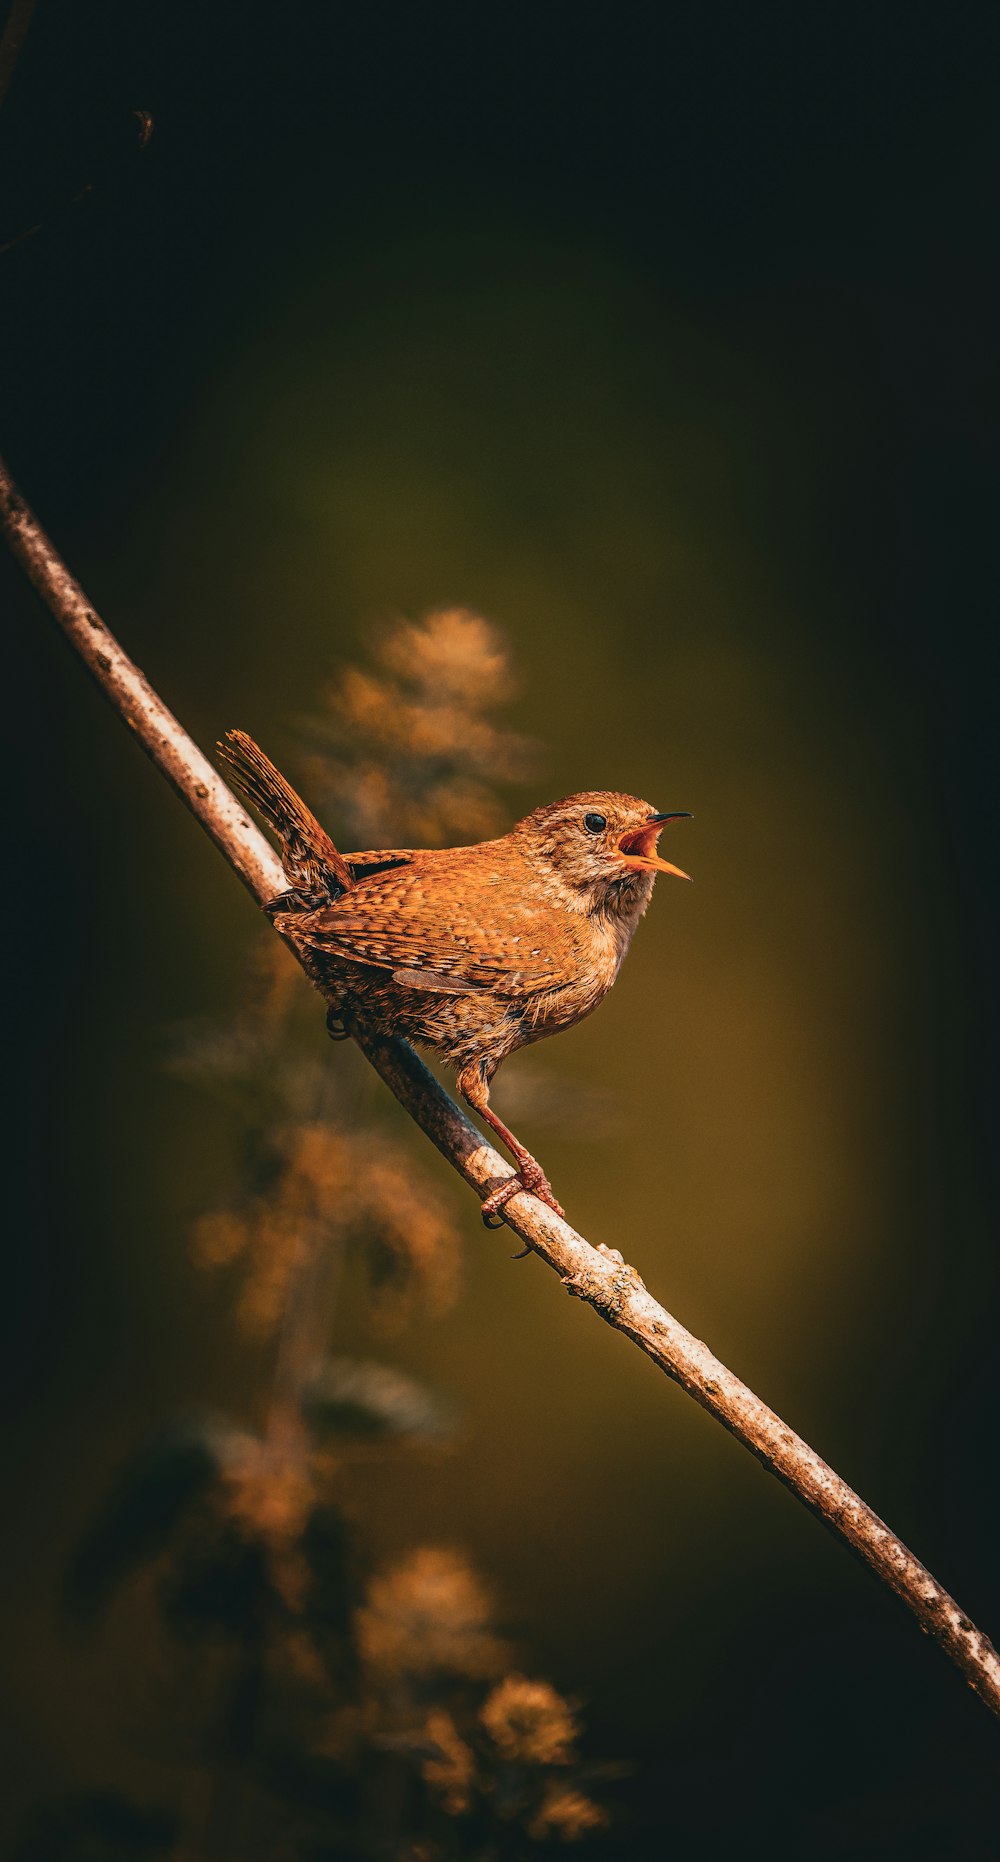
(665, 339)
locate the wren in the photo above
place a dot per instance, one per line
(471, 951)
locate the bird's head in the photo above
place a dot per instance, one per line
(600, 844)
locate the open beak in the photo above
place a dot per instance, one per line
(637, 848)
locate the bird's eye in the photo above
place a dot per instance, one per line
(594, 824)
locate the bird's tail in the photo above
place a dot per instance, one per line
(308, 855)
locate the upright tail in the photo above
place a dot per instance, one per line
(308, 855)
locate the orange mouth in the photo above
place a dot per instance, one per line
(636, 848)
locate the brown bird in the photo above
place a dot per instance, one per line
(472, 951)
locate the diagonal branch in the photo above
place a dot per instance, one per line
(597, 1275)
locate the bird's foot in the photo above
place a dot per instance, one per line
(531, 1177)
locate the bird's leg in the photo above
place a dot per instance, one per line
(530, 1175)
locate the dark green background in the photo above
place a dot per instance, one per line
(667, 338)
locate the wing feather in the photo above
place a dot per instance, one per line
(414, 920)
(435, 983)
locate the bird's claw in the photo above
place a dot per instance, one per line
(530, 1178)
(493, 1204)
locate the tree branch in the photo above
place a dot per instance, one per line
(597, 1275)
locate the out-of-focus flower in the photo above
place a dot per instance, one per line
(529, 1722)
(269, 1498)
(406, 753)
(451, 1769)
(328, 1181)
(454, 654)
(355, 1400)
(412, 1238)
(429, 1615)
(567, 1816)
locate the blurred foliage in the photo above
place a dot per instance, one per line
(310, 1177)
(355, 1712)
(407, 751)
(349, 1397)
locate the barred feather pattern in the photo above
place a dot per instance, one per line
(312, 863)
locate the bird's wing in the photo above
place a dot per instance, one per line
(452, 933)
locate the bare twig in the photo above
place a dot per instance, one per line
(597, 1275)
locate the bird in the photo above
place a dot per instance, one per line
(474, 951)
